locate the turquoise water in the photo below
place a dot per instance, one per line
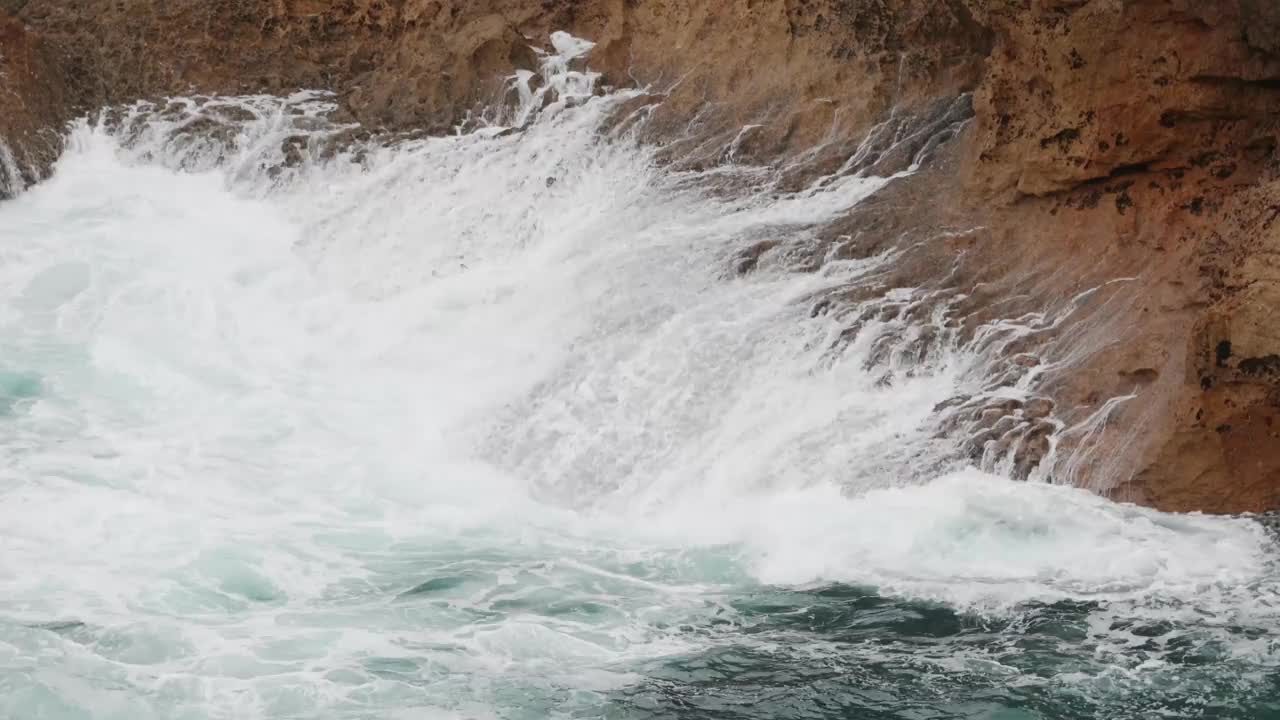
(408, 431)
(17, 388)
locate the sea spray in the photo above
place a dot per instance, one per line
(480, 426)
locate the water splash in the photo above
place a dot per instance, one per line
(12, 181)
(337, 425)
(560, 86)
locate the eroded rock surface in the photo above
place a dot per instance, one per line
(428, 63)
(1136, 139)
(37, 95)
(1117, 189)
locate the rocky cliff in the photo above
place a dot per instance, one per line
(1121, 163)
(1139, 136)
(37, 96)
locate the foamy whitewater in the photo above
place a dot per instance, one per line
(483, 427)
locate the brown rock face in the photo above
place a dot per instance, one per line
(427, 63)
(1080, 91)
(1139, 136)
(37, 95)
(1118, 184)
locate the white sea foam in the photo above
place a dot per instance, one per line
(354, 433)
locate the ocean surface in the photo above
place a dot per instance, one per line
(485, 426)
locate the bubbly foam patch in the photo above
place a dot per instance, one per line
(974, 539)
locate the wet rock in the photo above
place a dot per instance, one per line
(1033, 448)
(784, 67)
(1025, 360)
(749, 259)
(1038, 408)
(39, 93)
(1270, 521)
(1097, 204)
